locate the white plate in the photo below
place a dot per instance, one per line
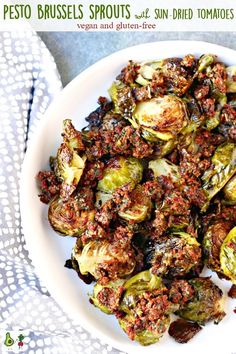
(49, 251)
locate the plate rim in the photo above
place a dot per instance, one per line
(29, 153)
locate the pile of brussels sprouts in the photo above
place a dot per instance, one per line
(144, 227)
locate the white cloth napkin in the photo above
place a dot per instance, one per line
(28, 82)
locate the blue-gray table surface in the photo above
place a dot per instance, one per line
(75, 51)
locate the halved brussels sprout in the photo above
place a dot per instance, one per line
(69, 169)
(119, 172)
(174, 255)
(231, 79)
(72, 136)
(140, 208)
(121, 97)
(136, 286)
(206, 304)
(163, 167)
(162, 117)
(212, 243)
(228, 255)
(146, 307)
(230, 191)
(205, 61)
(222, 169)
(107, 297)
(102, 257)
(67, 218)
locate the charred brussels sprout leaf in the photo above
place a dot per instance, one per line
(163, 167)
(67, 218)
(97, 256)
(175, 255)
(222, 169)
(140, 208)
(228, 255)
(162, 117)
(119, 172)
(107, 297)
(206, 305)
(230, 191)
(143, 293)
(231, 82)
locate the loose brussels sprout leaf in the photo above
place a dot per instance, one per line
(163, 117)
(102, 198)
(140, 208)
(230, 191)
(107, 297)
(228, 255)
(231, 79)
(212, 243)
(224, 167)
(163, 167)
(97, 255)
(206, 304)
(119, 172)
(174, 255)
(66, 218)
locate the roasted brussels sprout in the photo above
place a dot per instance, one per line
(105, 258)
(67, 218)
(175, 75)
(140, 208)
(230, 191)
(69, 169)
(174, 255)
(69, 165)
(231, 82)
(206, 305)
(107, 297)
(146, 307)
(228, 255)
(212, 242)
(222, 169)
(121, 97)
(72, 136)
(163, 167)
(162, 117)
(119, 172)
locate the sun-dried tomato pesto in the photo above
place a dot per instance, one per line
(148, 190)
